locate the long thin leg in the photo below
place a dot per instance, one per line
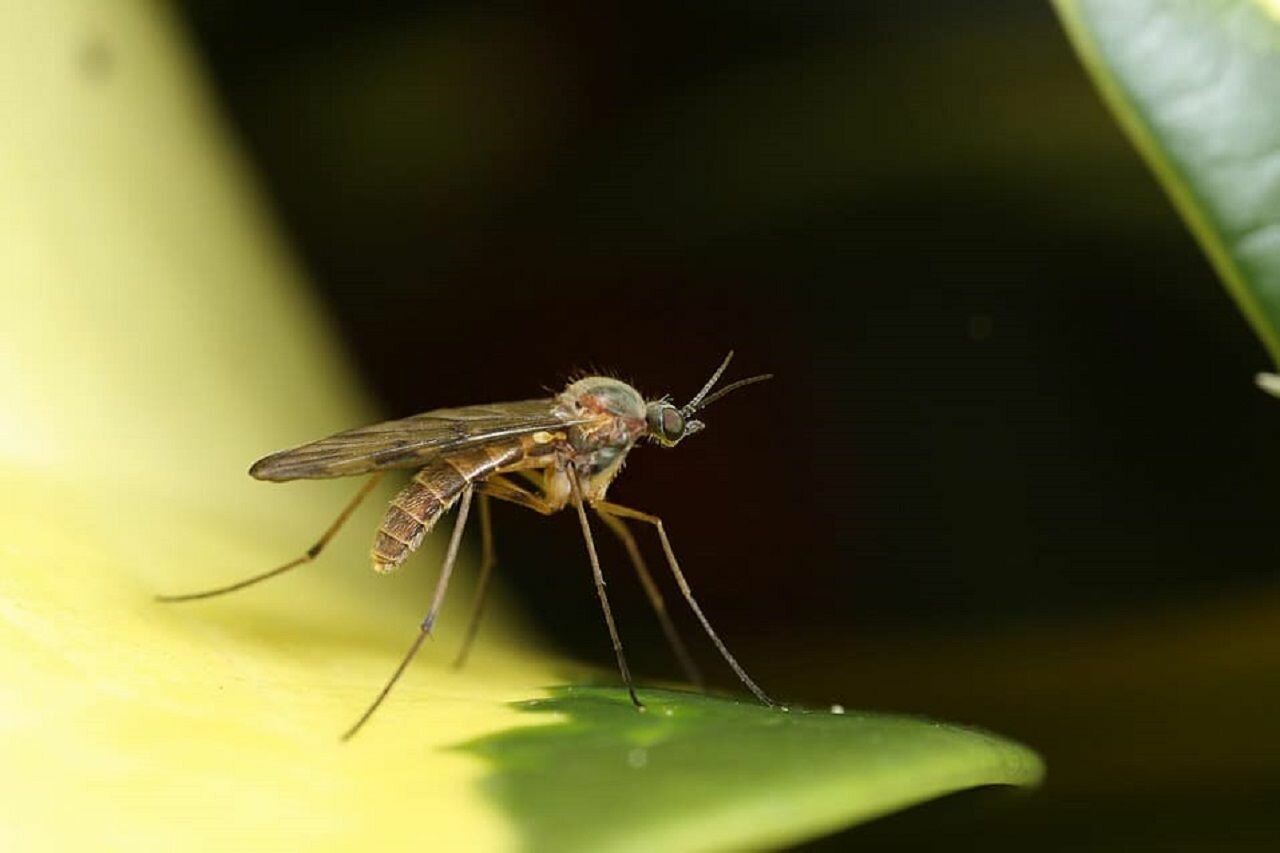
(501, 488)
(424, 631)
(599, 576)
(619, 527)
(608, 508)
(309, 555)
(487, 561)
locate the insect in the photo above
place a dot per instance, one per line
(564, 450)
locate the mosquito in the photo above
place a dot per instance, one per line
(564, 450)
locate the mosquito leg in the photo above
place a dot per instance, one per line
(487, 561)
(613, 509)
(309, 555)
(424, 631)
(619, 528)
(599, 576)
(503, 489)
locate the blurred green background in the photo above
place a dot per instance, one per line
(1013, 470)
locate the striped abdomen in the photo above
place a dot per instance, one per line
(430, 494)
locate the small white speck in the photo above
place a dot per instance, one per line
(784, 709)
(638, 757)
(667, 712)
(837, 709)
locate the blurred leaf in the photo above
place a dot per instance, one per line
(1176, 700)
(1196, 85)
(156, 338)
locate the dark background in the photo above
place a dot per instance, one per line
(1012, 470)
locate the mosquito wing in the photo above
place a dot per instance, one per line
(410, 442)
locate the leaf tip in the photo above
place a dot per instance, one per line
(1269, 382)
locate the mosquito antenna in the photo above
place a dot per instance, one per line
(694, 404)
(732, 386)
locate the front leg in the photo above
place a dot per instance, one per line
(575, 482)
(619, 528)
(617, 511)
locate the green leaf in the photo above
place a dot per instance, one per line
(699, 773)
(157, 337)
(1196, 84)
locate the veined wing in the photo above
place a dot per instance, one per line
(409, 442)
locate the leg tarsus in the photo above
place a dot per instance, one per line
(618, 510)
(659, 605)
(307, 556)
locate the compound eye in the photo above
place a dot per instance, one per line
(672, 424)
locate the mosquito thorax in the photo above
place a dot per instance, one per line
(601, 395)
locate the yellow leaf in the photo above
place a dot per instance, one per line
(154, 340)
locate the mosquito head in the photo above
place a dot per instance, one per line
(668, 424)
